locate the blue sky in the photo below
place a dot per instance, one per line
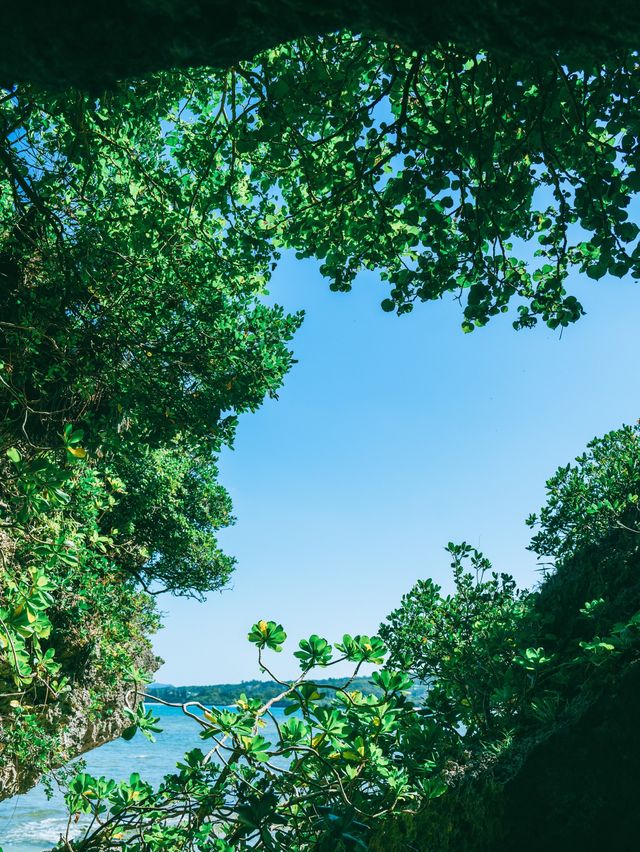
(391, 437)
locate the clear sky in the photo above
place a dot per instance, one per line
(391, 437)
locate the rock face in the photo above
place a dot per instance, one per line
(78, 727)
(579, 789)
(575, 789)
(65, 42)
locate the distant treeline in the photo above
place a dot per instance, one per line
(223, 694)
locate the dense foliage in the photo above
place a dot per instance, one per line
(121, 315)
(339, 763)
(508, 668)
(467, 646)
(503, 669)
(130, 340)
(68, 615)
(138, 233)
(435, 169)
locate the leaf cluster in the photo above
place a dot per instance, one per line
(339, 763)
(501, 664)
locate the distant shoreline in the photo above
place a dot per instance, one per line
(227, 694)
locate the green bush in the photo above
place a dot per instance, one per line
(504, 673)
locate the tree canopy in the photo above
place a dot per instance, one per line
(139, 229)
(439, 170)
(122, 314)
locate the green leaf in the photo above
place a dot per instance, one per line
(267, 634)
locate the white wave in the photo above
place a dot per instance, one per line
(46, 830)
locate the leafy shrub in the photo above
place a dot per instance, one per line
(502, 669)
(500, 657)
(64, 604)
(340, 762)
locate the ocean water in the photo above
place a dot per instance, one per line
(32, 823)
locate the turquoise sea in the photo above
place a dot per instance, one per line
(32, 823)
